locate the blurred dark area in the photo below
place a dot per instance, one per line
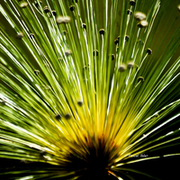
(165, 168)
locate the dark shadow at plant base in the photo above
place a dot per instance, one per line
(161, 169)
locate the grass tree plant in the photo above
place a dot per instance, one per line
(88, 88)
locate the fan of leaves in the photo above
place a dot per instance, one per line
(88, 88)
